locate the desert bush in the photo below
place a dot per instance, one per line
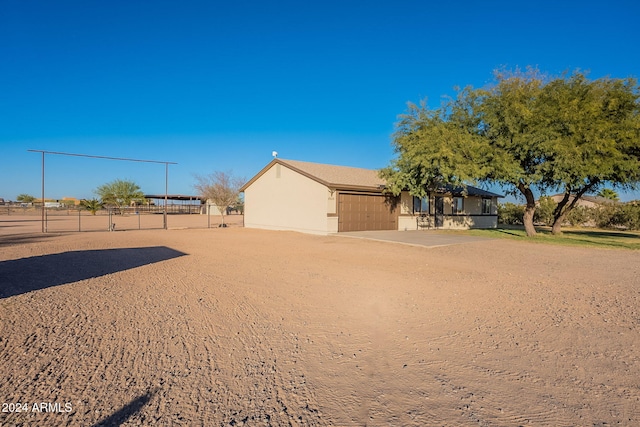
(605, 216)
(619, 216)
(544, 211)
(510, 213)
(580, 215)
(93, 205)
(630, 215)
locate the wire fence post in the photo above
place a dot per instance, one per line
(166, 186)
(166, 191)
(44, 228)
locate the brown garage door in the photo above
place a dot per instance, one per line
(362, 212)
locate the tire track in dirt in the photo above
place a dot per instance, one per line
(496, 386)
(261, 328)
(258, 370)
(161, 326)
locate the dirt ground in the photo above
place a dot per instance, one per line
(231, 327)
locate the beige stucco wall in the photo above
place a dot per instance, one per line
(581, 202)
(461, 222)
(282, 199)
(406, 203)
(332, 211)
(332, 224)
(211, 209)
(407, 222)
(472, 209)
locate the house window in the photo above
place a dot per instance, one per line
(420, 205)
(457, 207)
(486, 206)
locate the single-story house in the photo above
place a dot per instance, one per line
(586, 201)
(322, 199)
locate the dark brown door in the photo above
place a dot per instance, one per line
(439, 211)
(363, 212)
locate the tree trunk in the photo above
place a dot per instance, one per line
(528, 220)
(556, 228)
(529, 210)
(564, 207)
(560, 213)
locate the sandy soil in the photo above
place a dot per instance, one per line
(229, 327)
(65, 221)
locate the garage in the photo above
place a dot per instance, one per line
(323, 199)
(366, 212)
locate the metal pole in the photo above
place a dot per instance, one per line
(79, 220)
(166, 191)
(43, 228)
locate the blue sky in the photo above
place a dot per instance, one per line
(219, 85)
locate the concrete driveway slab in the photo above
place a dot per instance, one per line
(426, 238)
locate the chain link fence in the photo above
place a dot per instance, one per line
(30, 219)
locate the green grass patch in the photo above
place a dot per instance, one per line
(570, 236)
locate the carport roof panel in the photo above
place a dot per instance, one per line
(172, 197)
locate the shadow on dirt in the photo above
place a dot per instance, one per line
(19, 239)
(127, 411)
(39, 272)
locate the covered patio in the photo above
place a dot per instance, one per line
(176, 203)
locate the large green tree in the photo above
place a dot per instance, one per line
(508, 125)
(25, 198)
(592, 137)
(481, 135)
(524, 132)
(120, 193)
(608, 193)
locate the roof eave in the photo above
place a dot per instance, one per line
(343, 187)
(259, 174)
